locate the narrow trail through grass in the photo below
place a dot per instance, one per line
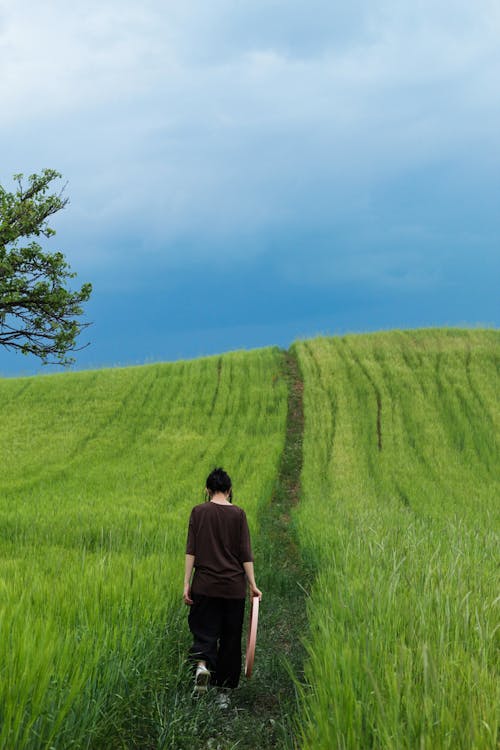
(262, 709)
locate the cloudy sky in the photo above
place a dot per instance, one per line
(243, 173)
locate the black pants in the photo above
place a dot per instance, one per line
(216, 625)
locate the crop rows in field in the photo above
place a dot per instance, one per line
(100, 471)
(397, 520)
(399, 516)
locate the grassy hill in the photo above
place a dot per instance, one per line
(399, 515)
(398, 521)
(99, 473)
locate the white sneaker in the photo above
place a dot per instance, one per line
(223, 700)
(201, 679)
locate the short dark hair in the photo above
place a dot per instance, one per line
(218, 481)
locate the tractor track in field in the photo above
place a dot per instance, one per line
(262, 709)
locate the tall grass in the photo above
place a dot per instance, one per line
(99, 473)
(400, 517)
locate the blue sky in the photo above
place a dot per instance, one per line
(245, 173)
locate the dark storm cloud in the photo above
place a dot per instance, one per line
(325, 145)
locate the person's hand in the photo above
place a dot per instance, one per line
(254, 591)
(187, 595)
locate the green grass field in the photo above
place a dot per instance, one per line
(397, 521)
(400, 516)
(99, 473)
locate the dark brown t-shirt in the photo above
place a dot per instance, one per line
(219, 539)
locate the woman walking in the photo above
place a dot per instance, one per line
(219, 549)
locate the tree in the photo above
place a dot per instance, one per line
(38, 311)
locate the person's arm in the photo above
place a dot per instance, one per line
(187, 579)
(248, 566)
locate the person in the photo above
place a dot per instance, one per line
(219, 549)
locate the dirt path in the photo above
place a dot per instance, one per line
(261, 712)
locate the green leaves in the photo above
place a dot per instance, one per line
(38, 310)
